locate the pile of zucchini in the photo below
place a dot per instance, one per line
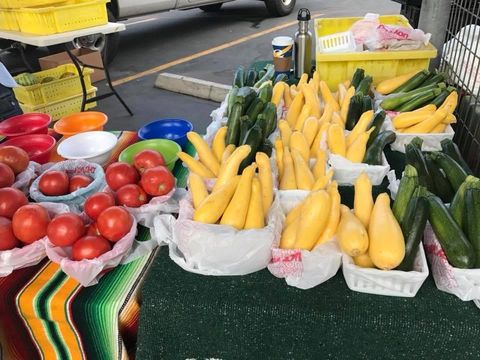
(361, 101)
(430, 180)
(256, 79)
(422, 89)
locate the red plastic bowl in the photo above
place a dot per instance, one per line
(38, 146)
(26, 124)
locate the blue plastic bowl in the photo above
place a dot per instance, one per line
(171, 129)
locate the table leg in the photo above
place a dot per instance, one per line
(80, 73)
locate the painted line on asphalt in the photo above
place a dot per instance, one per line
(127, 24)
(209, 51)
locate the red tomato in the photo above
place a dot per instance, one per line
(114, 223)
(131, 195)
(54, 183)
(10, 200)
(119, 174)
(65, 229)
(147, 159)
(7, 177)
(98, 202)
(157, 181)
(78, 182)
(7, 239)
(92, 229)
(30, 223)
(14, 157)
(90, 247)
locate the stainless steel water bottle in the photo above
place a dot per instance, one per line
(303, 44)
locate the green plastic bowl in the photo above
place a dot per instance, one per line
(168, 148)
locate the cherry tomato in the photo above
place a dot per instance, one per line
(119, 174)
(157, 181)
(7, 239)
(10, 200)
(114, 223)
(14, 157)
(98, 202)
(78, 182)
(54, 183)
(90, 247)
(92, 229)
(147, 159)
(65, 229)
(131, 195)
(30, 223)
(7, 177)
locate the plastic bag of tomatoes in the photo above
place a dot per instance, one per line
(25, 178)
(68, 182)
(86, 251)
(27, 221)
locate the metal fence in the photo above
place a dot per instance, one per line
(461, 61)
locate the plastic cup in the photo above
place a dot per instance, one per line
(282, 53)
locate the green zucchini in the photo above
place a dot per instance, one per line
(414, 157)
(472, 223)
(408, 184)
(364, 85)
(414, 82)
(254, 138)
(421, 99)
(438, 101)
(233, 125)
(232, 94)
(457, 248)
(245, 125)
(435, 79)
(443, 189)
(457, 206)
(270, 72)
(357, 77)
(251, 77)
(261, 73)
(265, 92)
(355, 110)
(413, 228)
(367, 104)
(263, 123)
(373, 155)
(281, 77)
(239, 77)
(270, 112)
(245, 96)
(455, 173)
(377, 122)
(266, 147)
(451, 149)
(255, 108)
(395, 102)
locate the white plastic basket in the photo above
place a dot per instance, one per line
(336, 43)
(390, 283)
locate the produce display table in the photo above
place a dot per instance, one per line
(258, 316)
(46, 314)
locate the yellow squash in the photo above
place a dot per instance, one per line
(406, 119)
(279, 156)
(294, 110)
(277, 93)
(363, 200)
(287, 96)
(363, 261)
(298, 142)
(288, 181)
(304, 114)
(429, 123)
(387, 86)
(327, 114)
(195, 166)
(320, 139)
(313, 219)
(255, 218)
(323, 181)
(197, 189)
(212, 208)
(327, 96)
(427, 108)
(320, 164)
(303, 175)
(440, 128)
(334, 214)
(289, 235)
(450, 119)
(346, 102)
(285, 131)
(230, 167)
(342, 92)
(205, 154)
(360, 127)
(337, 119)
(226, 154)
(311, 99)
(387, 245)
(293, 215)
(450, 102)
(236, 212)
(218, 144)
(303, 80)
(310, 129)
(336, 140)
(351, 234)
(356, 151)
(266, 180)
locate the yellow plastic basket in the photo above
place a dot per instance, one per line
(381, 65)
(15, 4)
(56, 19)
(8, 20)
(58, 109)
(55, 90)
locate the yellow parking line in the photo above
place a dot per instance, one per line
(205, 52)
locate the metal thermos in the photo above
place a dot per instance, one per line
(303, 44)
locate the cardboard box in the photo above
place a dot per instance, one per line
(86, 56)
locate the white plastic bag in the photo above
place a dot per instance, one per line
(464, 283)
(31, 254)
(393, 184)
(25, 178)
(218, 250)
(76, 199)
(346, 172)
(88, 272)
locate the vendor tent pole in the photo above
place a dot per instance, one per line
(434, 17)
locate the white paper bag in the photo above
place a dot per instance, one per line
(346, 172)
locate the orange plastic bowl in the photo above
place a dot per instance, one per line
(80, 122)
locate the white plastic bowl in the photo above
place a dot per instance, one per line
(92, 146)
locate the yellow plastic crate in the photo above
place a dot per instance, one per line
(56, 19)
(15, 4)
(381, 65)
(55, 90)
(58, 109)
(8, 20)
